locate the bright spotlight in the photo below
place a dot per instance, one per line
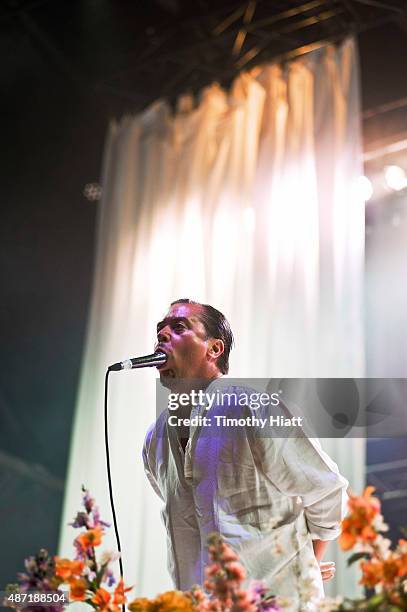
(363, 188)
(395, 177)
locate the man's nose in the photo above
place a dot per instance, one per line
(164, 335)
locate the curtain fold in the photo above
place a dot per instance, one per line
(245, 200)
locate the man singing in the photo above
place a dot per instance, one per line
(276, 501)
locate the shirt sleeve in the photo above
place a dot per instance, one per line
(299, 467)
(150, 462)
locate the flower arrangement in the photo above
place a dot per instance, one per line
(86, 578)
(223, 588)
(89, 578)
(384, 570)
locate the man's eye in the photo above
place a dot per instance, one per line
(179, 327)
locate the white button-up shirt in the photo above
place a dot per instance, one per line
(269, 497)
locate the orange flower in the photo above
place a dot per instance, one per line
(402, 565)
(368, 534)
(78, 589)
(91, 537)
(395, 599)
(173, 601)
(364, 507)
(66, 569)
(119, 597)
(358, 524)
(347, 539)
(372, 573)
(101, 598)
(403, 544)
(390, 571)
(141, 604)
(402, 558)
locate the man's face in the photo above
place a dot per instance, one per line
(182, 336)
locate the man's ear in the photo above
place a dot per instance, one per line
(215, 347)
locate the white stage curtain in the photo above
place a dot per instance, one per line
(245, 200)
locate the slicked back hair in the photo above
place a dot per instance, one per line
(216, 326)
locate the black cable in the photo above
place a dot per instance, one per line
(109, 479)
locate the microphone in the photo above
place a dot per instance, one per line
(146, 361)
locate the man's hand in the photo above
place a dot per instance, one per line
(327, 569)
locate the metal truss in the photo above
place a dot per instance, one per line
(190, 45)
(217, 45)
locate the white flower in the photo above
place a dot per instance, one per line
(308, 589)
(383, 546)
(378, 523)
(329, 603)
(284, 602)
(363, 547)
(402, 548)
(108, 556)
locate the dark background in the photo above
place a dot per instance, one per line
(68, 68)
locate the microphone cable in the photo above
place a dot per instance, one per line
(156, 359)
(109, 479)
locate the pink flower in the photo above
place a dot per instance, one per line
(229, 555)
(213, 569)
(81, 520)
(97, 521)
(87, 500)
(235, 571)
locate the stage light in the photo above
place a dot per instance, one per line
(363, 188)
(395, 177)
(92, 192)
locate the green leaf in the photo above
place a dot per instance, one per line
(375, 601)
(356, 556)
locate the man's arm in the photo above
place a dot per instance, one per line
(319, 549)
(327, 568)
(299, 467)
